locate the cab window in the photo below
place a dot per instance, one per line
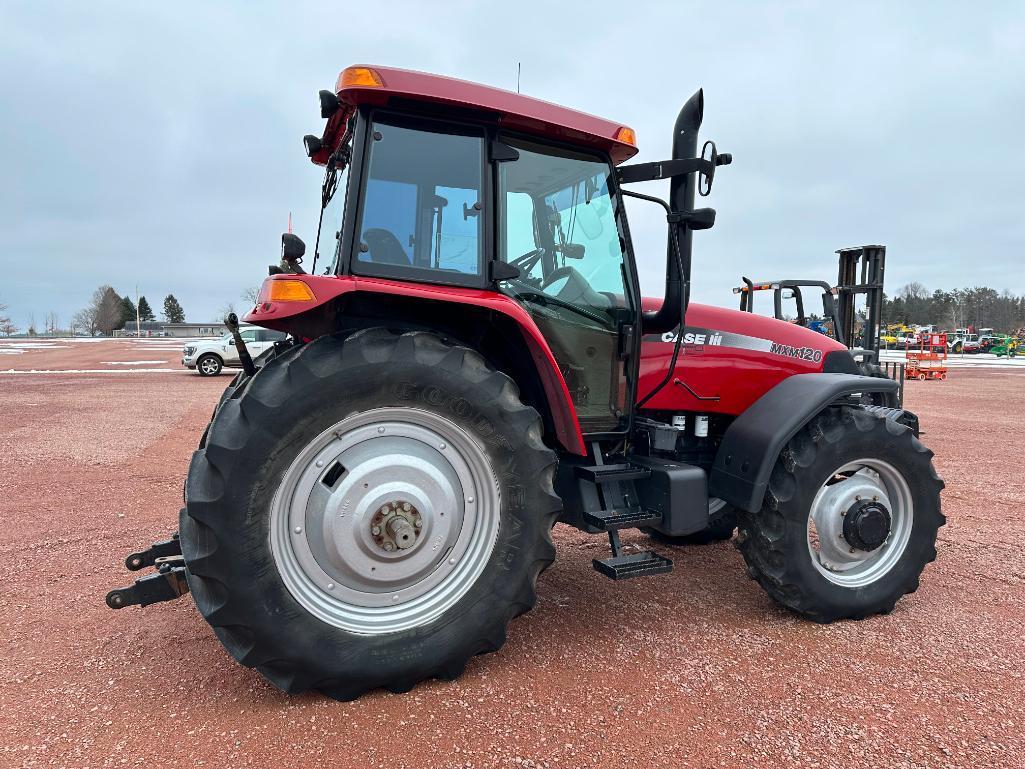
(421, 216)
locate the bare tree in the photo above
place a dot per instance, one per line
(85, 320)
(251, 294)
(32, 331)
(51, 323)
(913, 290)
(226, 310)
(7, 327)
(103, 312)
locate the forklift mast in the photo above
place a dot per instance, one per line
(861, 271)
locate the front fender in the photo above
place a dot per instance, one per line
(754, 440)
(292, 317)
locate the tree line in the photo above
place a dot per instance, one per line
(978, 307)
(108, 312)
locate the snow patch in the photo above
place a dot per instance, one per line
(132, 362)
(33, 345)
(95, 371)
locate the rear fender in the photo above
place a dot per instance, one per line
(326, 314)
(754, 440)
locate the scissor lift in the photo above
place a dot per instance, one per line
(929, 361)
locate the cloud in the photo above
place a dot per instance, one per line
(159, 145)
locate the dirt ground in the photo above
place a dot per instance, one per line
(696, 668)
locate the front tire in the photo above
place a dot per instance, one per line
(369, 512)
(849, 520)
(209, 365)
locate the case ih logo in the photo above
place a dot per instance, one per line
(700, 337)
(695, 337)
(803, 353)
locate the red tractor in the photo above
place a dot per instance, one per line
(373, 499)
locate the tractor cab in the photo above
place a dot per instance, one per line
(501, 193)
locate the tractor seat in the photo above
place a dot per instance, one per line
(384, 247)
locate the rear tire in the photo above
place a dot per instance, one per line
(258, 582)
(817, 570)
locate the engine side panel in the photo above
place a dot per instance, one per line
(728, 360)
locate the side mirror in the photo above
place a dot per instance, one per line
(231, 342)
(713, 160)
(292, 250)
(572, 250)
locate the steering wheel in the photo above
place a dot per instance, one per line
(576, 289)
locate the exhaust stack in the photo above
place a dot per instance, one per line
(681, 198)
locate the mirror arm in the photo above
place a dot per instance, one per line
(662, 169)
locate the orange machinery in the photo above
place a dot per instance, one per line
(929, 361)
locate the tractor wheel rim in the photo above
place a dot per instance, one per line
(862, 482)
(209, 366)
(385, 520)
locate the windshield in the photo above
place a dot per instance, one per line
(559, 229)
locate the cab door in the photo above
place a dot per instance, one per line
(558, 226)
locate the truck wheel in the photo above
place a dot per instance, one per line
(369, 512)
(722, 520)
(849, 520)
(209, 365)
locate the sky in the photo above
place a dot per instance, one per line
(158, 145)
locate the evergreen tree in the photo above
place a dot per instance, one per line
(145, 311)
(127, 310)
(173, 312)
(106, 309)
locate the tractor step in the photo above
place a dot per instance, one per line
(626, 518)
(635, 565)
(612, 473)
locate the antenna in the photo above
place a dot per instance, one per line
(519, 64)
(289, 221)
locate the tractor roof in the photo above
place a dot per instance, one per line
(382, 86)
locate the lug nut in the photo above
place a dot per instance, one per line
(376, 531)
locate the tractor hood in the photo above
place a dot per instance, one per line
(731, 358)
(755, 332)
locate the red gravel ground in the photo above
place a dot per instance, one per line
(697, 668)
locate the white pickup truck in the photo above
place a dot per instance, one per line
(210, 356)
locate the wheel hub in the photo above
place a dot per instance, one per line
(860, 522)
(385, 519)
(866, 525)
(396, 526)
